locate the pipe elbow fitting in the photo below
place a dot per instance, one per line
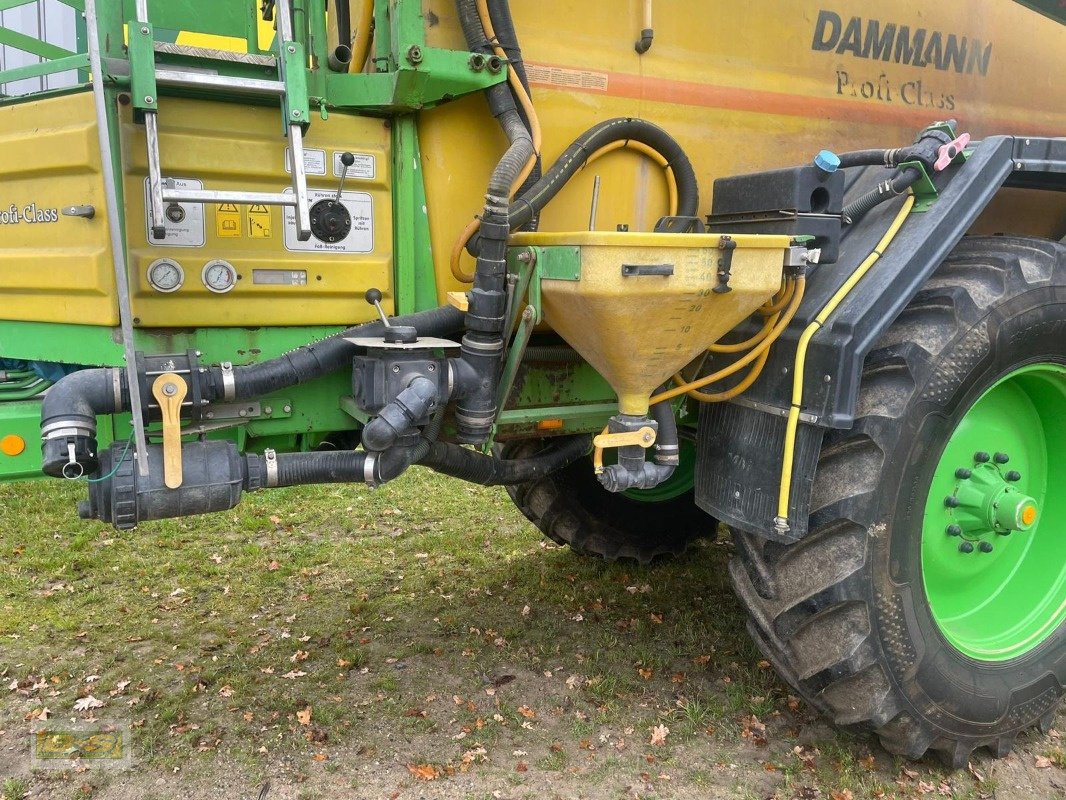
(411, 407)
(616, 478)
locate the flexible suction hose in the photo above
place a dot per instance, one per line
(483, 344)
(469, 465)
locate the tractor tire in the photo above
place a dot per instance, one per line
(890, 617)
(571, 508)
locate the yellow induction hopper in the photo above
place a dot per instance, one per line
(640, 306)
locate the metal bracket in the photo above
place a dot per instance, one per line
(725, 263)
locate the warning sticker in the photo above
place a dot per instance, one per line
(314, 161)
(365, 166)
(227, 221)
(359, 205)
(566, 78)
(184, 221)
(260, 222)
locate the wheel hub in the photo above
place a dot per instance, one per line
(987, 502)
(993, 557)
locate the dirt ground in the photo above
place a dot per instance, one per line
(328, 644)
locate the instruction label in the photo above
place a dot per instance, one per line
(184, 221)
(361, 239)
(228, 221)
(364, 168)
(314, 161)
(260, 222)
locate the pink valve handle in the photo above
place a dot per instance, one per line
(947, 152)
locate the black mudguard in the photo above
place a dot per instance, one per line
(740, 443)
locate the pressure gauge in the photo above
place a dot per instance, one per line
(219, 276)
(165, 275)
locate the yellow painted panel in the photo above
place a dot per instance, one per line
(53, 268)
(226, 146)
(743, 87)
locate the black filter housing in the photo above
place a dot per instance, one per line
(798, 201)
(213, 479)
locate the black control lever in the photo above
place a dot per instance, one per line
(394, 334)
(347, 159)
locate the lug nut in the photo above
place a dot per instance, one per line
(963, 473)
(965, 547)
(985, 547)
(1001, 458)
(1013, 475)
(981, 456)
(951, 501)
(954, 530)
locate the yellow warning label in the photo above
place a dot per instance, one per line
(260, 222)
(228, 221)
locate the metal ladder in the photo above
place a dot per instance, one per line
(289, 62)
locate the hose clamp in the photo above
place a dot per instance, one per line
(368, 470)
(66, 427)
(116, 385)
(229, 384)
(271, 458)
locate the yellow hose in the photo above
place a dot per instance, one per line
(747, 358)
(527, 105)
(650, 152)
(597, 453)
(779, 300)
(535, 133)
(363, 37)
(729, 394)
(801, 356)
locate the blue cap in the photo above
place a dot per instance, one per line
(827, 161)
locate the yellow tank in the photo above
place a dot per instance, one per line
(747, 87)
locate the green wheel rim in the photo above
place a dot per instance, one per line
(993, 549)
(679, 483)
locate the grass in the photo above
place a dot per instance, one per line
(331, 636)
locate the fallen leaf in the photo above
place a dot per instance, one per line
(226, 691)
(527, 712)
(521, 766)
(424, 772)
(659, 734)
(87, 704)
(645, 673)
(319, 757)
(273, 566)
(843, 794)
(304, 717)
(1042, 762)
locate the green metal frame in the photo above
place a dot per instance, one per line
(54, 59)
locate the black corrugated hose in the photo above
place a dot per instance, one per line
(575, 156)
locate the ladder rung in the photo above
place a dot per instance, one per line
(203, 80)
(191, 51)
(243, 198)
